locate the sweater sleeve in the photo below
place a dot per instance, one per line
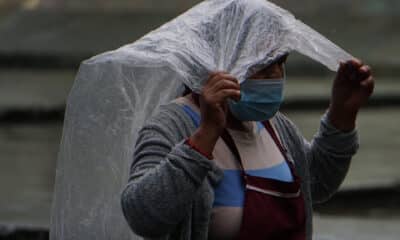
(327, 157)
(164, 177)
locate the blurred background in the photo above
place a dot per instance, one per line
(42, 43)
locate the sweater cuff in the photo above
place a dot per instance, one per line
(191, 144)
(335, 141)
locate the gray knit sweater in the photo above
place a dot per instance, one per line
(170, 190)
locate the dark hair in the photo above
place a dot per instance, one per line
(186, 91)
(196, 96)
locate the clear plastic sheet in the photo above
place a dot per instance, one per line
(115, 92)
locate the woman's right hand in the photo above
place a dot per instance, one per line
(214, 108)
(213, 100)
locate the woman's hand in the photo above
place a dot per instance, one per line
(213, 106)
(352, 88)
(213, 100)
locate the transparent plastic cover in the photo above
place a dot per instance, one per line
(115, 92)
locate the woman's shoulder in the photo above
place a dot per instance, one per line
(282, 120)
(286, 127)
(170, 118)
(174, 111)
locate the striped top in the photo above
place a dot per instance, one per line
(261, 157)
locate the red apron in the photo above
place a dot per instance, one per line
(272, 209)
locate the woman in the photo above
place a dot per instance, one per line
(243, 183)
(175, 191)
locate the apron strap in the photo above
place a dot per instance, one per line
(232, 146)
(271, 131)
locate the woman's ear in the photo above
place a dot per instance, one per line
(186, 90)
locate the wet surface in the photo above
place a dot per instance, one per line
(30, 89)
(340, 228)
(320, 87)
(376, 163)
(87, 32)
(49, 88)
(27, 158)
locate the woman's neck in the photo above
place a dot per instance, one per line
(234, 123)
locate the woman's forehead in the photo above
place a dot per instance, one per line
(275, 64)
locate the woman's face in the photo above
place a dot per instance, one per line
(274, 71)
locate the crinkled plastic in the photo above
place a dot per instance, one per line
(114, 93)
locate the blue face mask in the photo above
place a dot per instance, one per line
(260, 99)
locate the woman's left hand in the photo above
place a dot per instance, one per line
(352, 88)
